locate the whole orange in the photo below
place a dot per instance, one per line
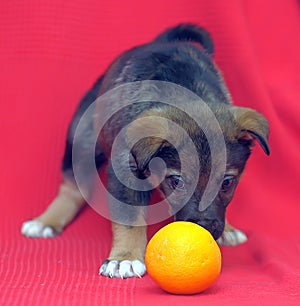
(183, 258)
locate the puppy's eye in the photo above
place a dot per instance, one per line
(228, 182)
(176, 182)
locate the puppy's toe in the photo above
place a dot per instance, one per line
(36, 229)
(122, 269)
(232, 237)
(110, 268)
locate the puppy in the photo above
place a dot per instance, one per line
(181, 56)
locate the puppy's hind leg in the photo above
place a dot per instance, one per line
(67, 204)
(63, 209)
(59, 213)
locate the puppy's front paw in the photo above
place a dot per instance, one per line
(232, 237)
(36, 229)
(123, 268)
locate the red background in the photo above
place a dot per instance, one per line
(51, 52)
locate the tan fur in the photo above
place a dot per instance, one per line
(249, 119)
(252, 125)
(129, 242)
(64, 207)
(150, 122)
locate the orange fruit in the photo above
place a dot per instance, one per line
(183, 258)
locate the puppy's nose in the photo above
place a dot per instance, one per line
(215, 227)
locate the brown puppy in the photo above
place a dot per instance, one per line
(154, 97)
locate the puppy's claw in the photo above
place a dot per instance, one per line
(122, 269)
(35, 229)
(232, 237)
(125, 269)
(112, 269)
(103, 267)
(138, 267)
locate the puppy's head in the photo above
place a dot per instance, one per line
(241, 127)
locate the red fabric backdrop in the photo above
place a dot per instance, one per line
(51, 52)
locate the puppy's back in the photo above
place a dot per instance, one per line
(180, 55)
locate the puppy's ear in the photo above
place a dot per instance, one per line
(252, 126)
(147, 136)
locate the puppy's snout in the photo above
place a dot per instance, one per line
(215, 227)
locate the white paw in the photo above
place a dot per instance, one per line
(35, 229)
(232, 238)
(122, 269)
